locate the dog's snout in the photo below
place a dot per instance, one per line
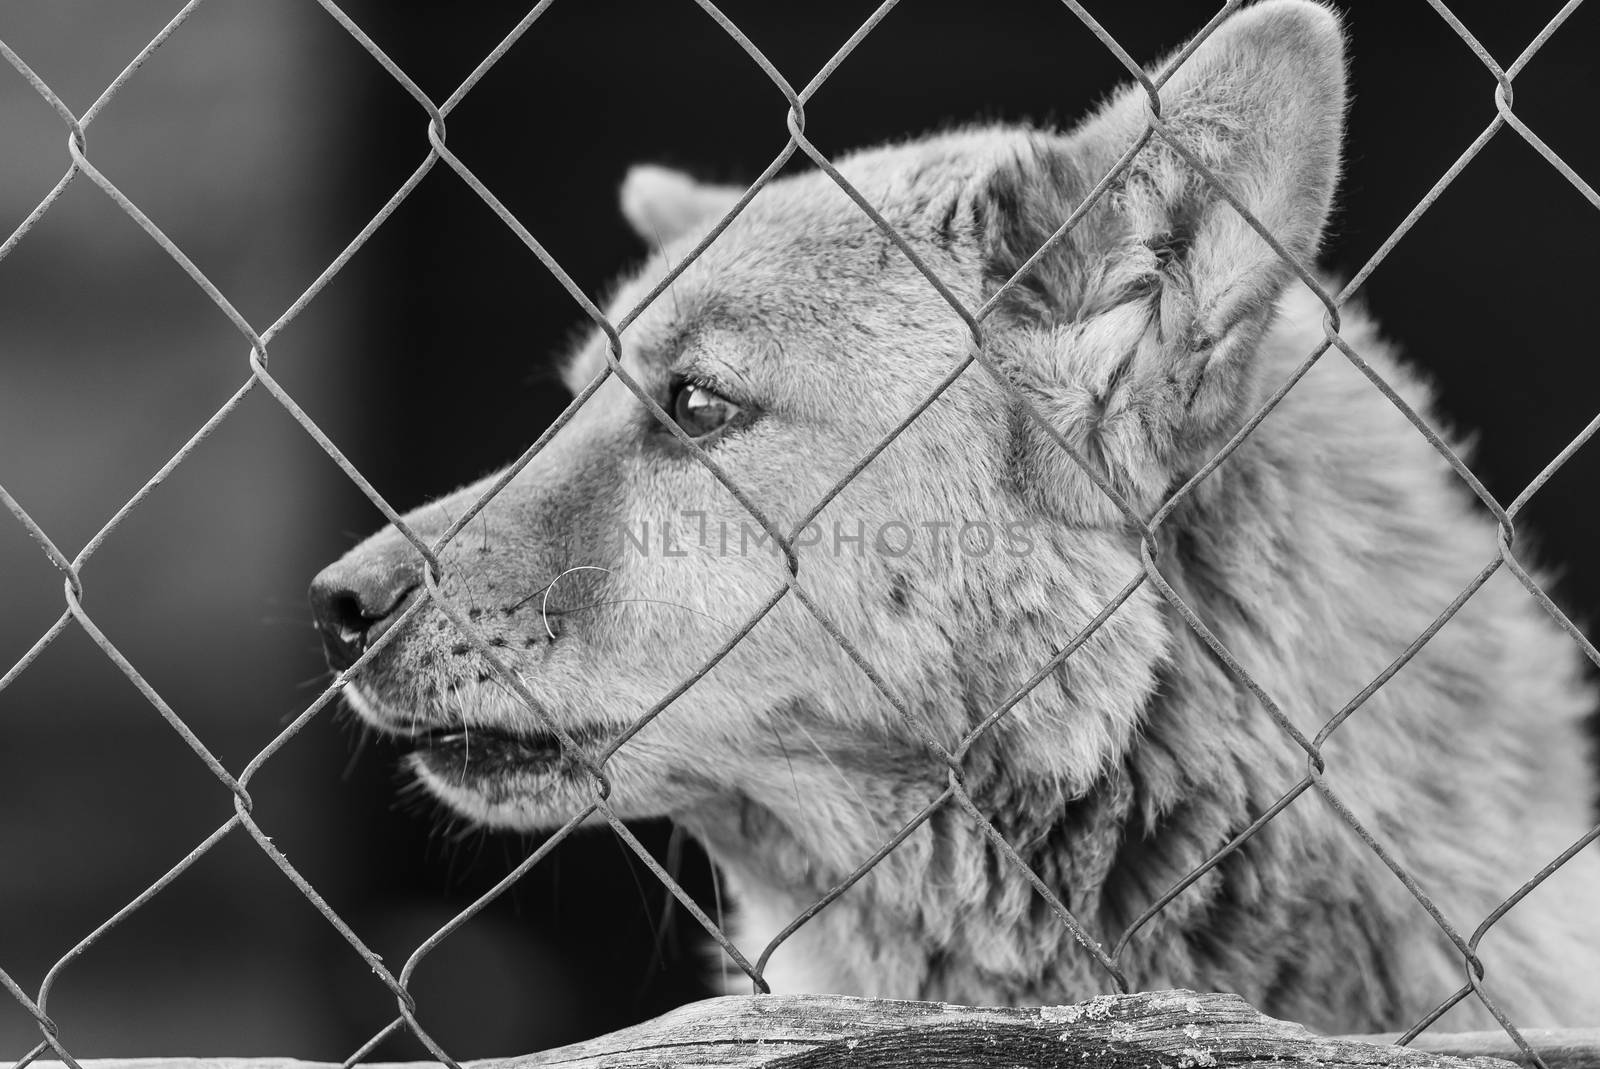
(355, 601)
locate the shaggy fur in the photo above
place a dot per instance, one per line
(1316, 553)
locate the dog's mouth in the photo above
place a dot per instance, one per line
(478, 756)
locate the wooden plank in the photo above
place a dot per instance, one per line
(1152, 1030)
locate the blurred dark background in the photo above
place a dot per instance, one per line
(262, 137)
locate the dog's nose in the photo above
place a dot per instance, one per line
(355, 601)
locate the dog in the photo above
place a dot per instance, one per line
(985, 535)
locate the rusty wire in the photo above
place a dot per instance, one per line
(435, 137)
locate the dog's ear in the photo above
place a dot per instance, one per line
(1140, 328)
(662, 204)
(1261, 103)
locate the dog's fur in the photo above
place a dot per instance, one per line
(1316, 553)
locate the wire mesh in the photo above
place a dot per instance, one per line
(258, 377)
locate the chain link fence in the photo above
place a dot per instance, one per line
(1105, 948)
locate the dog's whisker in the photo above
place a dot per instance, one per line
(544, 607)
(849, 784)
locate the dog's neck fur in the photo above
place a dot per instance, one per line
(947, 916)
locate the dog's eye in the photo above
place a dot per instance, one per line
(700, 412)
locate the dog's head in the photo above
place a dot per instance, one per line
(619, 567)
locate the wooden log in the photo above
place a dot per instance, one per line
(1152, 1030)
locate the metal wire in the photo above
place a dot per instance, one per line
(75, 590)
